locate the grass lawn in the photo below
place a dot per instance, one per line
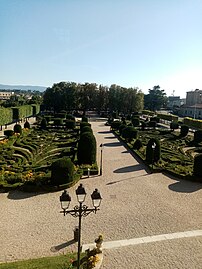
(57, 262)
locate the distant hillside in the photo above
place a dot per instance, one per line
(22, 87)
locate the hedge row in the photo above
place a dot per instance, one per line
(6, 115)
(168, 117)
(148, 112)
(193, 123)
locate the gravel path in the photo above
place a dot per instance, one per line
(135, 204)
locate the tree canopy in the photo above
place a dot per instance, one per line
(156, 99)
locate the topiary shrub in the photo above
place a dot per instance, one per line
(156, 119)
(116, 124)
(152, 124)
(70, 117)
(138, 144)
(70, 124)
(153, 154)
(198, 136)
(135, 121)
(27, 125)
(174, 125)
(8, 133)
(143, 125)
(17, 128)
(129, 133)
(197, 171)
(82, 124)
(43, 124)
(84, 119)
(184, 130)
(86, 129)
(121, 127)
(86, 153)
(62, 171)
(58, 121)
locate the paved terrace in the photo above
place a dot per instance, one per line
(137, 207)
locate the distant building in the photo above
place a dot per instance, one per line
(194, 111)
(194, 97)
(174, 101)
(5, 95)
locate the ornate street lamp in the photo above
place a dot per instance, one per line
(80, 210)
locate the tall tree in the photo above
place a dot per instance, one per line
(156, 99)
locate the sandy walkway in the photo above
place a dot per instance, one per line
(135, 204)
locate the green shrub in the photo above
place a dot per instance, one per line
(153, 154)
(138, 144)
(17, 128)
(43, 124)
(86, 129)
(129, 133)
(121, 127)
(115, 115)
(135, 121)
(27, 125)
(70, 124)
(184, 130)
(86, 153)
(62, 171)
(174, 125)
(70, 117)
(198, 136)
(58, 121)
(60, 115)
(143, 125)
(152, 124)
(116, 124)
(8, 133)
(156, 119)
(84, 119)
(197, 171)
(48, 118)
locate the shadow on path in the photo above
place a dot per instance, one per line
(18, 195)
(104, 132)
(185, 186)
(118, 181)
(63, 245)
(113, 144)
(128, 169)
(109, 137)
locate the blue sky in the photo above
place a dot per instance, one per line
(132, 43)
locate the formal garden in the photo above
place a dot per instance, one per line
(173, 150)
(57, 151)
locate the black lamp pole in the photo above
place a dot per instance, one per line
(101, 145)
(81, 210)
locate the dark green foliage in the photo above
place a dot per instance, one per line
(70, 117)
(135, 121)
(70, 124)
(143, 125)
(152, 124)
(58, 121)
(43, 124)
(86, 149)
(8, 133)
(153, 154)
(121, 127)
(184, 130)
(116, 124)
(84, 119)
(48, 118)
(86, 129)
(129, 133)
(197, 171)
(17, 128)
(138, 144)
(27, 125)
(82, 124)
(174, 125)
(62, 171)
(60, 115)
(156, 119)
(115, 115)
(198, 136)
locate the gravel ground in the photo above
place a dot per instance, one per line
(135, 204)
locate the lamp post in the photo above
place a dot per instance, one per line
(101, 146)
(80, 210)
(153, 149)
